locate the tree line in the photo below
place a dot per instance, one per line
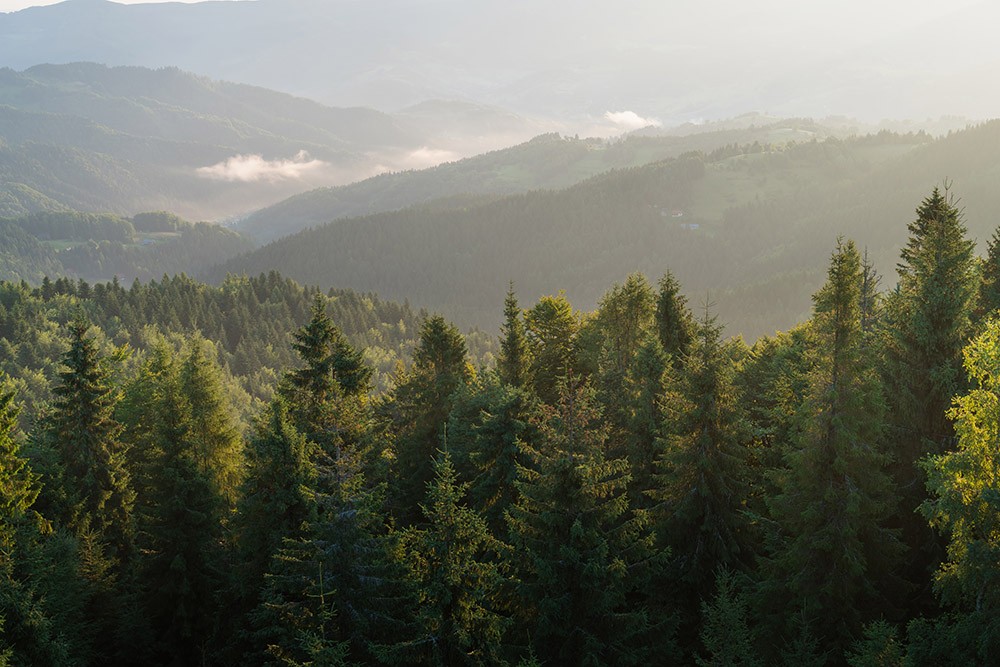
(622, 486)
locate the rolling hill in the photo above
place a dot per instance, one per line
(549, 161)
(745, 228)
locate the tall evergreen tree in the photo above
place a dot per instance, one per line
(83, 432)
(834, 552)
(552, 328)
(929, 323)
(275, 499)
(491, 427)
(514, 360)
(181, 534)
(725, 632)
(423, 401)
(452, 564)
(989, 289)
(583, 557)
(675, 325)
(704, 489)
(28, 633)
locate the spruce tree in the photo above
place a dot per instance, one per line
(490, 428)
(675, 325)
(452, 565)
(583, 558)
(929, 323)
(703, 490)
(28, 633)
(552, 328)
(82, 431)
(834, 552)
(181, 534)
(725, 630)
(514, 360)
(422, 402)
(275, 498)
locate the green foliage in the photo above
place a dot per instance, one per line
(490, 429)
(514, 361)
(551, 328)
(704, 487)
(582, 556)
(451, 563)
(928, 320)
(833, 550)
(422, 402)
(675, 326)
(85, 436)
(965, 488)
(725, 632)
(880, 647)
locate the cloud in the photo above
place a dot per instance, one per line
(253, 168)
(630, 120)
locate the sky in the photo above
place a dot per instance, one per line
(14, 5)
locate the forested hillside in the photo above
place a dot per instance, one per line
(743, 226)
(623, 486)
(88, 137)
(548, 161)
(99, 247)
(249, 320)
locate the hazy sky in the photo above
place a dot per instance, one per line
(14, 5)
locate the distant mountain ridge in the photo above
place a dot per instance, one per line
(740, 227)
(560, 60)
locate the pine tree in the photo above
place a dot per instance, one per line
(514, 360)
(452, 565)
(582, 556)
(834, 551)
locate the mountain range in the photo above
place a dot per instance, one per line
(568, 62)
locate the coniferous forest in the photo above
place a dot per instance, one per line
(265, 474)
